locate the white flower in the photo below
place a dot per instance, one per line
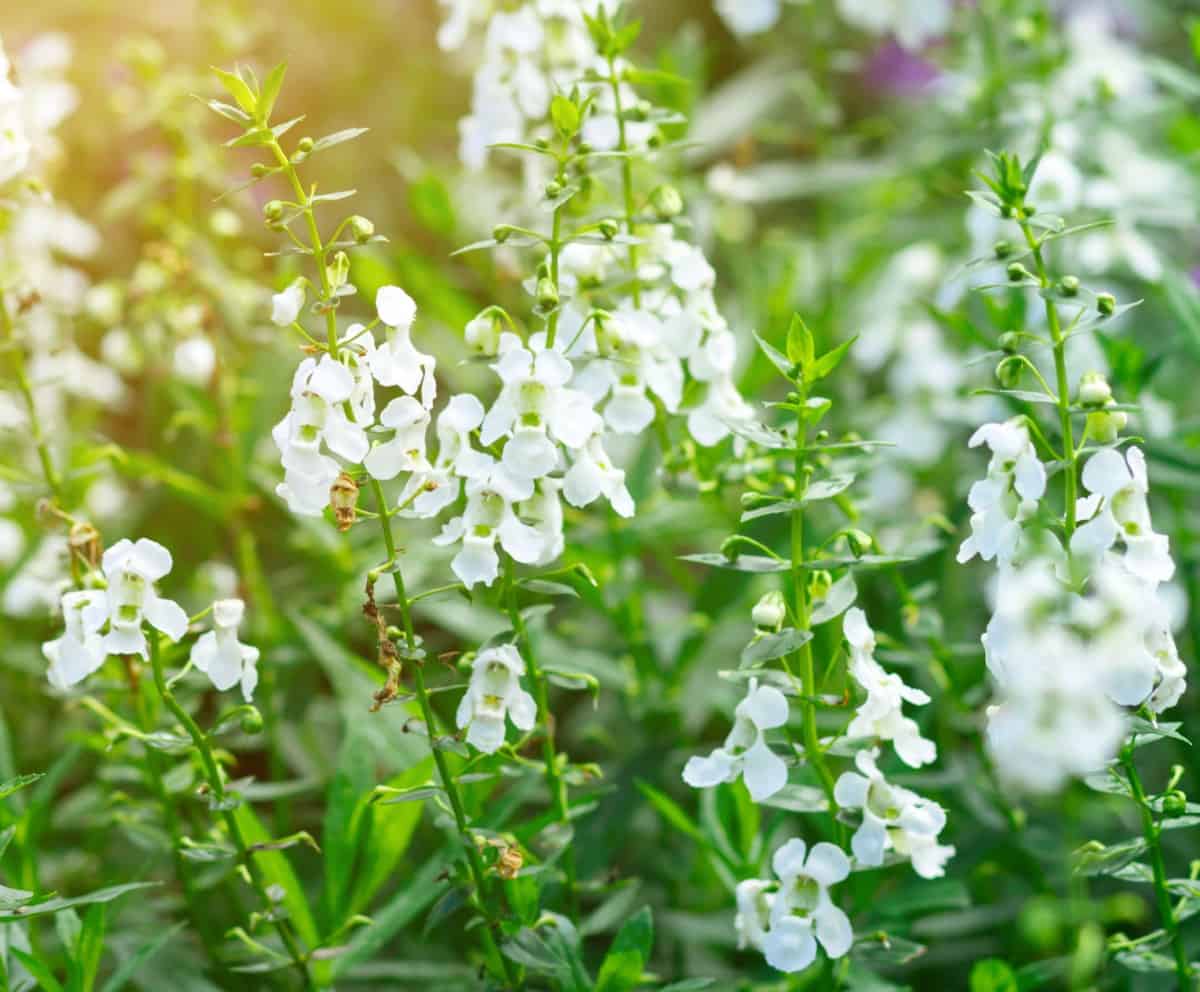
(745, 17)
(131, 571)
(913, 22)
(397, 362)
(754, 900)
(14, 144)
(592, 474)
(745, 751)
(881, 715)
(535, 408)
(543, 510)
(802, 912)
(493, 694)
(488, 517)
(195, 360)
(221, 656)
(405, 452)
(317, 417)
(286, 305)
(894, 818)
(1009, 494)
(432, 490)
(1116, 509)
(710, 422)
(80, 650)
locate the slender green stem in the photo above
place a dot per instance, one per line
(492, 934)
(812, 744)
(216, 784)
(53, 482)
(1059, 343)
(152, 765)
(555, 247)
(554, 780)
(1152, 833)
(626, 177)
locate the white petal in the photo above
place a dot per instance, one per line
(789, 859)
(395, 307)
(827, 863)
(833, 930)
(763, 771)
(869, 841)
(789, 945)
(167, 615)
(766, 706)
(851, 790)
(1106, 473)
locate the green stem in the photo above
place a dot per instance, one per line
(53, 483)
(492, 934)
(554, 779)
(1070, 453)
(626, 177)
(555, 250)
(216, 784)
(812, 744)
(1152, 832)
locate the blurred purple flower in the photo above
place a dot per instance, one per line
(893, 69)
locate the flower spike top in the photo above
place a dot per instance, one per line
(221, 656)
(745, 751)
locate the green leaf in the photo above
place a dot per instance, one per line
(238, 89)
(830, 360)
(7, 788)
(337, 138)
(801, 349)
(637, 934)
(144, 953)
(58, 904)
(270, 91)
(671, 811)
(993, 975)
(565, 115)
(90, 946)
(38, 969)
(767, 647)
(775, 356)
(742, 563)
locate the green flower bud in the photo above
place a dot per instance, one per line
(553, 189)
(259, 169)
(1008, 372)
(1069, 286)
(818, 584)
(273, 210)
(252, 722)
(1010, 342)
(541, 143)
(361, 228)
(1106, 303)
(585, 148)
(305, 146)
(666, 202)
(609, 228)
(1175, 803)
(1094, 389)
(1016, 272)
(1106, 425)
(547, 294)
(860, 542)
(338, 271)
(502, 232)
(1002, 249)
(770, 611)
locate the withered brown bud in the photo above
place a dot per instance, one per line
(343, 499)
(509, 863)
(85, 543)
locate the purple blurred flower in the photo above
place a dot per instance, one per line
(896, 70)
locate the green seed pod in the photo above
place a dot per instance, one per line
(1008, 372)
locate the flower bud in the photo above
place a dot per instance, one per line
(338, 270)
(608, 228)
(502, 232)
(666, 202)
(252, 722)
(1094, 389)
(818, 584)
(1002, 249)
(1010, 342)
(1016, 272)
(361, 228)
(770, 611)
(305, 145)
(84, 541)
(1106, 425)
(1106, 304)
(547, 294)
(860, 542)
(259, 169)
(343, 499)
(553, 189)
(1069, 286)
(482, 332)
(1174, 803)
(273, 210)
(1008, 372)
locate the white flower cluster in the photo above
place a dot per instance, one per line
(788, 918)
(100, 622)
(1072, 641)
(913, 23)
(14, 143)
